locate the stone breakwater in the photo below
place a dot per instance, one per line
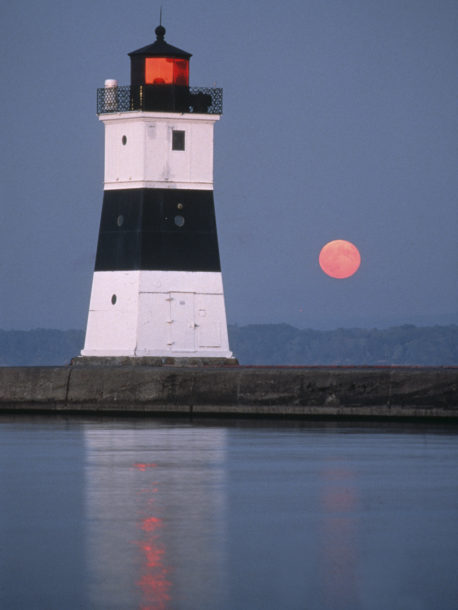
(149, 387)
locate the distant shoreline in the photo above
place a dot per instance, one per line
(270, 345)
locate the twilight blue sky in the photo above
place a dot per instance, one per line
(339, 123)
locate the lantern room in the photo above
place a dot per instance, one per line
(160, 64)
(166, 71)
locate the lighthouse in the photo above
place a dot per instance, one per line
(157, 288)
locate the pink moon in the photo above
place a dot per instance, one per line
(340, 259)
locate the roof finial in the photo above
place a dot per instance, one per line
(160, 30)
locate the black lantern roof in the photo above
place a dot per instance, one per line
(160, 48)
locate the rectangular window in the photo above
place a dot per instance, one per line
(177, 140)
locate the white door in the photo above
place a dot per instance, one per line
(210, 317)
(153, 323)
(183, 325)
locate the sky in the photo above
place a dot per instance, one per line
(339, 122)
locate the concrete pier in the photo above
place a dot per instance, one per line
(165, 388)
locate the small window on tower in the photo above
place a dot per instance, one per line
(177, 140)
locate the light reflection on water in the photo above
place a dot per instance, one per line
(339, 502)
(155, 496)
(154, 581)
(164, 515)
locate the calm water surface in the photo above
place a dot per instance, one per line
(162, 515)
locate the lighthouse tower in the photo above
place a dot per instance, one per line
(157, 288)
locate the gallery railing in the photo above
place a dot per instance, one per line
(160, 98)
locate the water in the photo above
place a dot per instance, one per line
(159, 515)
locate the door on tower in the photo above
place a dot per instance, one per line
(183, 325)
(154, 324)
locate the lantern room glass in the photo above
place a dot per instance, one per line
(166, 71)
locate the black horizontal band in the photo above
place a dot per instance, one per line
(158, 229)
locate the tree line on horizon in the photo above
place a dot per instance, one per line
(269, 344)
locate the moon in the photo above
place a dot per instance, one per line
(339, 259)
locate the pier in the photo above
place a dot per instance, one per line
(151, 386)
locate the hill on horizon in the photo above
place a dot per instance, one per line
(269, 344)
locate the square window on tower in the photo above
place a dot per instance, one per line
(177, 140)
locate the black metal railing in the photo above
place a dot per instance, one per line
(160, 98)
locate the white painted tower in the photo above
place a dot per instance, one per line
(157, 288)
